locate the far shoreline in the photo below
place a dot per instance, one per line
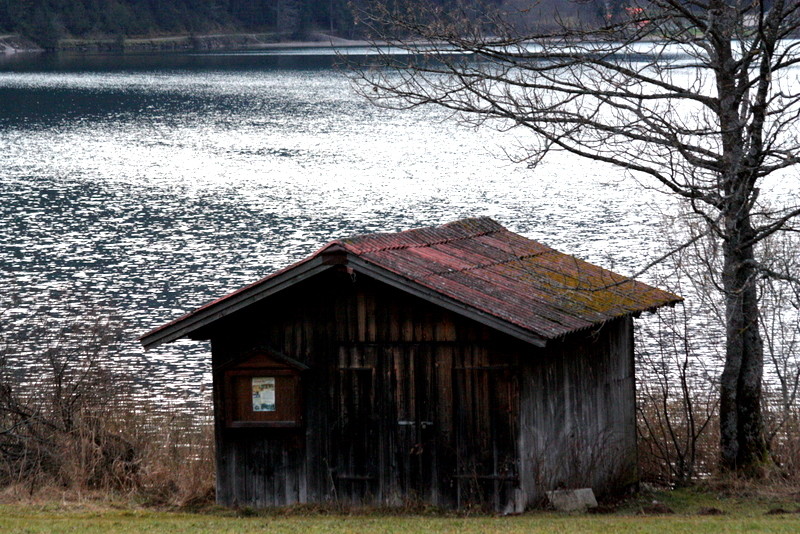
(14, 45)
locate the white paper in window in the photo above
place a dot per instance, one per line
(264, 394)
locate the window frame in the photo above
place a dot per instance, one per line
(237, 395)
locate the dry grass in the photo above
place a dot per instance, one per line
(171, 464)
(671, 455)
(72, 425)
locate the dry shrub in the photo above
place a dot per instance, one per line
(672, 452)
(677, 407)
(56, 411)
(178, 461)
(69, 422)
(669, 455)
(784, 444)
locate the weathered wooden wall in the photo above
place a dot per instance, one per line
(577, 417)
(404, 401)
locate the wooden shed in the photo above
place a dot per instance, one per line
(459, 365)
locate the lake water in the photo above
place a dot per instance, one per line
(144, 186)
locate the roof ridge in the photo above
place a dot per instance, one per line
(432, 243)
(490, 264)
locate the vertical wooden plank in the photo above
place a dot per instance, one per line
(394, 320)
(361, 317)
(401, 416)
(419, 326)
(407, 329)
(392, 386)
(298, 342)
(371, 318)
(380, 362)
(445, 452)
(275, 454)
(290, 478)
(445, 328)
(428, 427)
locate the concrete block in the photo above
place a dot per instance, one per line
(572, 500)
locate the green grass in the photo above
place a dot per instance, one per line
(742, 514)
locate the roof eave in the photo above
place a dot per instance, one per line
(634, 314)
(191, 322)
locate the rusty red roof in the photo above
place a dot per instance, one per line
(472, 266)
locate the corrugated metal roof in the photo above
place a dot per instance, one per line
(476, 264)
(484, 265)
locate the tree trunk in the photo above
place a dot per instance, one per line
(742, 444)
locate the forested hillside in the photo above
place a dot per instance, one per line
(47, 21)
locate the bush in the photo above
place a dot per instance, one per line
(68, 420)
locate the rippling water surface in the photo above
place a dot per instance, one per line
(145, 186)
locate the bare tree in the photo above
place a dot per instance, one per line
(676, 406)
(676, 401)
(57, 405)
(698, 97)
(780, 327)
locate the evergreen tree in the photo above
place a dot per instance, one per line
(42, 28)
(48, 20)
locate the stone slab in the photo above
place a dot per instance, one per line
(572, 500)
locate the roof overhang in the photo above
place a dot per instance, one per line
(326, 259)
(191, 322)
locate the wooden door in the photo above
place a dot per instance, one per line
(355, 440)
(414, 416)
(485, 404)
